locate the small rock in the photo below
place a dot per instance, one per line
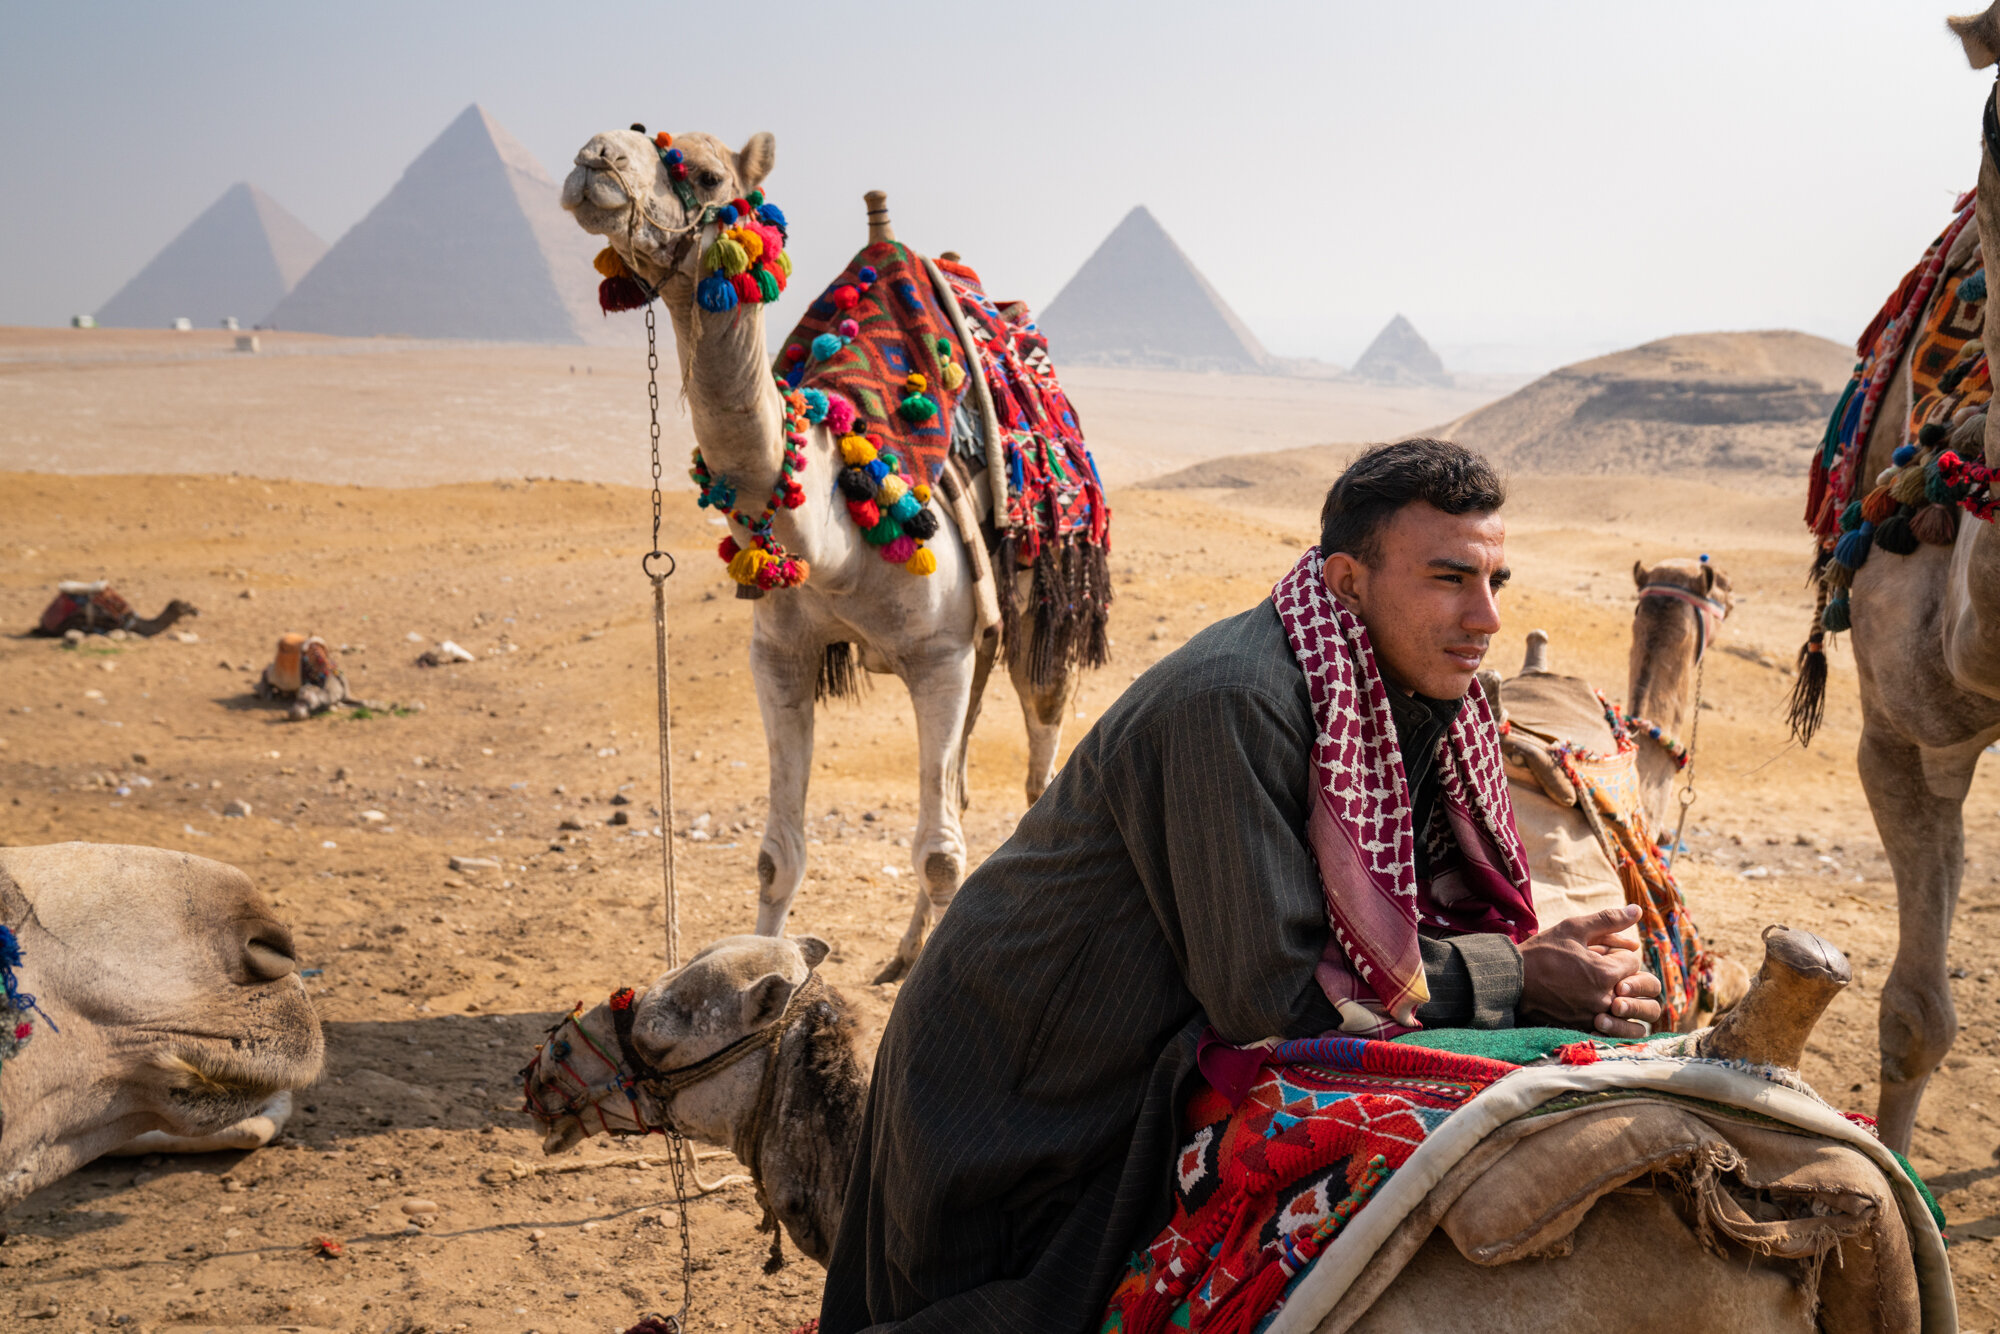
(248, 594)
(536, 1234)
(621, 800)
(187, 636)
(619, 817)
(473, 865)
(373, 817)
(72, 637)
(138, 757)
(236, 809)
(570, 824)
(418, 1208)
(117, 636)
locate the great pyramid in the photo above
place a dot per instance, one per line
(1140, 301)
(471, 243)
(238, 258)
(1399, 354)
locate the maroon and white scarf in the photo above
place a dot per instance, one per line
(1359, 825)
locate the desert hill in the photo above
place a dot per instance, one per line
(1714, 402)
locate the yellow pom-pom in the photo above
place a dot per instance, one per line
(954, 376)
(753, 244)
(915, 382)
(608, 264)
(745, 564)
(892, 489)
(921, 563)
(727, 256)
(922, 493)
(785, 262)
(857, 451)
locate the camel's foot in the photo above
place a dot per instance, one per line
(253, 1132)
(894, 970)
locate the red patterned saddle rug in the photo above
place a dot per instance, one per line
(1261, 1189)
(99, 606)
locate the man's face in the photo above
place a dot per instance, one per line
(1428, 600)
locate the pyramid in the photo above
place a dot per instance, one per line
(238, 258)
(1140, 301)
(1399, 353)
(471, 243)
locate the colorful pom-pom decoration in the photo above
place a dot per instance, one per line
(826, 345)
(915, 382)
(847, 329)
(918, 408)
(609, 265)
(954, 376)
(857, 451)
(816, 403)
(845, 297)
(840, 414)
(622, 293)
(1904, 455)
(921, 561)
(716, 293)
(867, 274)
(899, 549)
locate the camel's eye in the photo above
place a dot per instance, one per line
(708, 179)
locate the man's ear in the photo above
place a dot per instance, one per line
(754, 163)
(1980, 34)
(1346, 578)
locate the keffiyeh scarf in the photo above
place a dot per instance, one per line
(1359, 824)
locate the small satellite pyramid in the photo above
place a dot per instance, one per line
(1140, 301)
(1399, 354)
(471, 243)
(238, 258)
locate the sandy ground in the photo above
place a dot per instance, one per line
(433, 986)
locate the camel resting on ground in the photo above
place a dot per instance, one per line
(175, 1000)
(96, 609)
(1678, 1221)
(305, 674)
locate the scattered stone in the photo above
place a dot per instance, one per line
(138, 757)
(187, 636)
(117, 635)
(619, 817)
(620, 799)
(419, 1208)
(373, 817)
(570, 824)
(473, 865)
(237, 809)
(248, 594)
(72, 637)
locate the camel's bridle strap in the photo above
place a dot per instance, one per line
(1709, 612)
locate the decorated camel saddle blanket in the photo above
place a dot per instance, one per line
(1313, 1171)
(912, 366)
(96, 602)
(1929, 333)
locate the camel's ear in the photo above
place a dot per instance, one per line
(1639, 573)
(1980, 34)
(754, 163)
(766, 998)
(1707, 579)
(813, 948)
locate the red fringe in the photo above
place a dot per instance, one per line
(1890, 309)
(1577, 1053)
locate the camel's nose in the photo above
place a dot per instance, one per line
(267, 953)
(602, 153)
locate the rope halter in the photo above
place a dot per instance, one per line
(1709, 612)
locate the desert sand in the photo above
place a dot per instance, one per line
(177, 470)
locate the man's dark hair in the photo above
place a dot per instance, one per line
(1385, 478)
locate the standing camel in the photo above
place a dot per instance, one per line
(924, 630)
(1926, 636)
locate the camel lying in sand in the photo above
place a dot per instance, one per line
(96, 609)
(175, 1000)
(305, 674)
(1682, 1217)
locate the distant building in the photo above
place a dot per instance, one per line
(471, 243)
(1399, 354)
(1140, 301)
(243, 253)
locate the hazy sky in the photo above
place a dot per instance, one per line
(1528, 182)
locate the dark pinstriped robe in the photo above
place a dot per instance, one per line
(1021, 1129)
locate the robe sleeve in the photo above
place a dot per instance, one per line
(1236, 887)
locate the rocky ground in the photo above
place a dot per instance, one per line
(434, 985)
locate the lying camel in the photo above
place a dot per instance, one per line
(174, 998)
(305, 673)
(96, 609)
(1731, 1225)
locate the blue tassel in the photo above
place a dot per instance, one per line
(905, 509)
(772, 215)
(815, 406)
(1904, 455)
(1973, 288)
(727, 217)
(1853, 549)
(827, 345)
(1836, 616)
(877, 469)
(1017, 470)
(716, 293)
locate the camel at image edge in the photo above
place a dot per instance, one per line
(925, 630)
(178, 1001)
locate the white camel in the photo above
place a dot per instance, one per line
(927, 631)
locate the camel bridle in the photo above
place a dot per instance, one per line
(1709, 613)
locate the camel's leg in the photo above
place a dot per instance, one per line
(785, 674)
(1042, 707)
(1922, 826)
(940, 691)
(982, 671)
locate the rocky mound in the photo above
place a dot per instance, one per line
(1690, 403)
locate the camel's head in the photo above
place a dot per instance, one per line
(730, 989)
(176, 996)
(1682, 605)
(623, 188)
(1981, 35)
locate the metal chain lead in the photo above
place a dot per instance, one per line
(653, 407)
(1694, 735)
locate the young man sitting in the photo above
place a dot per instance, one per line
(1295, 823)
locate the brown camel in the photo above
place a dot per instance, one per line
(175, 997)
(97, 609)
(1926, 637)
(1740, 1228)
